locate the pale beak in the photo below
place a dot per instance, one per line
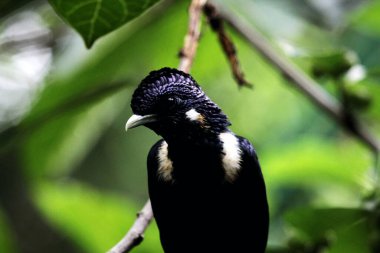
(138, 120)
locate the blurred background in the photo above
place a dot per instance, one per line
(72, 179)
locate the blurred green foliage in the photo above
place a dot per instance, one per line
(95, 211)
(87, 177)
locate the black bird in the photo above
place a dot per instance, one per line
(205, 183)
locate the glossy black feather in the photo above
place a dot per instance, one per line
(200, 211)
(197, 209)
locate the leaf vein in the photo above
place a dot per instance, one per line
(104, 22)
(125, 9)
(78, 6)
(93, 20)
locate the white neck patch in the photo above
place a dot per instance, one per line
(193, 115)
(165, 165)
(231, 156)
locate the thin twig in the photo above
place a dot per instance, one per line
(229, 49)
(135, 234)
(187, 53)
(305, 84)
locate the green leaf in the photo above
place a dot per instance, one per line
(7, 242)
(314, 162)
(333, 64)
(316, 222)
(95, 18)
(367, 18)
(336, 174)
(372, 83)
(354, 239)
(358, 95)
(95, 220)
(344, 229)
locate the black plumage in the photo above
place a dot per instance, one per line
(205, 183)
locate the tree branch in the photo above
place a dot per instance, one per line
(305, 84)
(229, 49)
(135, 234)
(188, 51)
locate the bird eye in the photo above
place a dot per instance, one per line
(174, 100)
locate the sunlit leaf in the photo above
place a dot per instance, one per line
(95, 18)
(314, 162)
(366, 18)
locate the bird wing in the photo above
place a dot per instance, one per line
(251, 183)
(162, 193)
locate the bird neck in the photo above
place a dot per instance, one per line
(197, 159)
(195, 135)
(193, 139)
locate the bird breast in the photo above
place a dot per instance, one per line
(192, 162)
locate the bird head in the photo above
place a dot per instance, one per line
(171, 103)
